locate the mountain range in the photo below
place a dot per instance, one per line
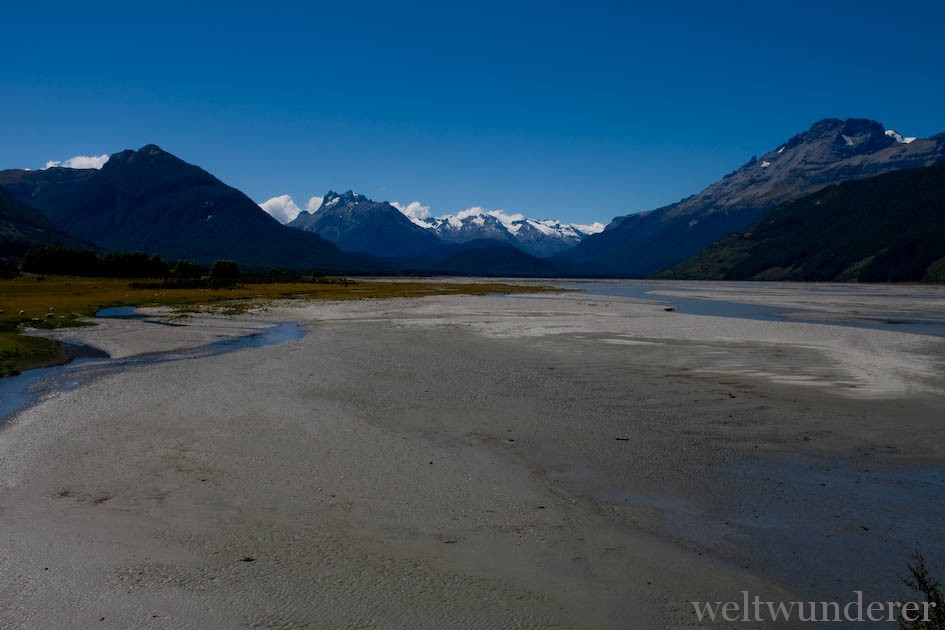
(153, 201)
(849, 183)
(358, 224)
(538, 237)
(830, 152)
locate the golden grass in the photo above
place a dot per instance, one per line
(54, 301)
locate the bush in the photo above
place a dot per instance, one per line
(923, 583)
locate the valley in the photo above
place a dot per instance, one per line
(582, 460)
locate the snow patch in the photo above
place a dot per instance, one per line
(589, 228)
(543, 227)
(900, 139)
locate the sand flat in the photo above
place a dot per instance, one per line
(561, 461)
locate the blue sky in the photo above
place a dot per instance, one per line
(578, 111)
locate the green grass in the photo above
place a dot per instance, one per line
(21, 352)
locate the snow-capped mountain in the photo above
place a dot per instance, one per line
(830, 152)
(356, 223)
(535, 236)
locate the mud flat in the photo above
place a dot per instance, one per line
(552, 461)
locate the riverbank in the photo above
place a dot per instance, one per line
(552, 461)
(20, 352)
(32, 304)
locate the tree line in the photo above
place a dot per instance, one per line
(72, 261)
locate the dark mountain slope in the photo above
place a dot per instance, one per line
(497, 260)
(357, 224)
(49, 188)
(831, 151)
(22, 227)
(151, 200)
(886, 228)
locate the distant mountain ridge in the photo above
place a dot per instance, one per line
(830, 152)
(447, 246)
(482, 258)
(153, 201)
(358, 224)
(535, 236)
(888, 228)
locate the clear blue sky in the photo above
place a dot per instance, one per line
(579, 111)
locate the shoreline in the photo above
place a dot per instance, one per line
(80, 299)
(575, 461)
(51, 356)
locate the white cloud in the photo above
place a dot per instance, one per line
(80, 161)
(284, 209)
(314, 204)
(281, 208)
(415, 211)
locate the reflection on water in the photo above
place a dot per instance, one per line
(119, 312)
(19, 391)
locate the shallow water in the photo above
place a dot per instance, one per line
(643, 289)
(18, 392)
(119, 312)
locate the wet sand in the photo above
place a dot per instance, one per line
(548, 461)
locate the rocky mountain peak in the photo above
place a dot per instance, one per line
(349, 197)
(850, 136)
(148, 154)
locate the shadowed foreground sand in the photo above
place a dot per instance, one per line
(473, 462)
